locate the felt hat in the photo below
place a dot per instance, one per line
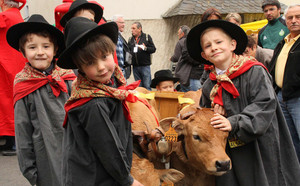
(77, 31)
(35, 23)
(162, 75)
(193, 38)
(82, 4)
(21, 1)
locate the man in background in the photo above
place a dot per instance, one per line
(285, 70)
(271, 34)
(187, 69)
(141, 47)
(123, 51)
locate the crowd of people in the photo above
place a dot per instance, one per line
(64, 93)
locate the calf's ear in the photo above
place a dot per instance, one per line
(177, 124)
(185, 113)
(166, 122)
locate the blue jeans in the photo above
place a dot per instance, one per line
(194, 86)
(143, 73)
(291, 112)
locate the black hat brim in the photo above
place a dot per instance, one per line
(110, 29)
(15, 32)
(193, 38)
(157, 80)
(96, 8)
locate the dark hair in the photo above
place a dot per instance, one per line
(138, 24)
(270, 2)
(88, 52)
(251, 42)
(209, 12)
(44, 33)
(185, 29)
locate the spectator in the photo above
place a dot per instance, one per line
(234, 18)
(187, 69)
(11, 62)
(285, 69)
(164, 81)
(263, 55)
(270, 35)
(40, 92)
(141, 47)
(123, 51)
(211, 14)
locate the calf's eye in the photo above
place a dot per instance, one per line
(197, 137)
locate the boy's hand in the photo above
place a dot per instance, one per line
(218, 109)
(220, 122)
(136, 183)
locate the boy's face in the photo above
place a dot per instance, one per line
(101, 70)
(85, 13)
(217, 47)
(39, 51)
(165, 86)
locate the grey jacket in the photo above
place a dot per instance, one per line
(39, 135)
(268, 157)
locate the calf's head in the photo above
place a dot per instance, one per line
(202, 145)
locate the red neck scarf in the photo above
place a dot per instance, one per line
(30, 79)
(84, 89)
(239, 65)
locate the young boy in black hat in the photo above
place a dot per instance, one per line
(164, 81)
(83, 8)
(98, 140)
(40, 91)
(240, 88)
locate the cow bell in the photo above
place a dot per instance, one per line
(163, 146)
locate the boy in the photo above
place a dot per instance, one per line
(240, 88)
(98, 141)
(40, 91)
(164, 81)
(83, 8)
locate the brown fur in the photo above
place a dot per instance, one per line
(142, 169)
(200, 166)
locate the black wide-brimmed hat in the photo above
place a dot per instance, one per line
(162, 75)
(77, 31)
(81, 4)
(193, 38)
(35, 23)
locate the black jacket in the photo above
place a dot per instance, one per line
(291, 79)
(142, 58)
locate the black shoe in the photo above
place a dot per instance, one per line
(9, 153)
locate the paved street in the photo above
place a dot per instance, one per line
(10, 174)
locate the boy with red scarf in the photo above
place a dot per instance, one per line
(246, 106)
(97, 141)
(40, 92)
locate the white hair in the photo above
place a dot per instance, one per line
(11, 4)
(116, 17)
(291, 6)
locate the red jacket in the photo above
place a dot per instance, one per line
(11, 62)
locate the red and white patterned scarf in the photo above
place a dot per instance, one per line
(84, 89)
(30, 79)
(240, 64)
